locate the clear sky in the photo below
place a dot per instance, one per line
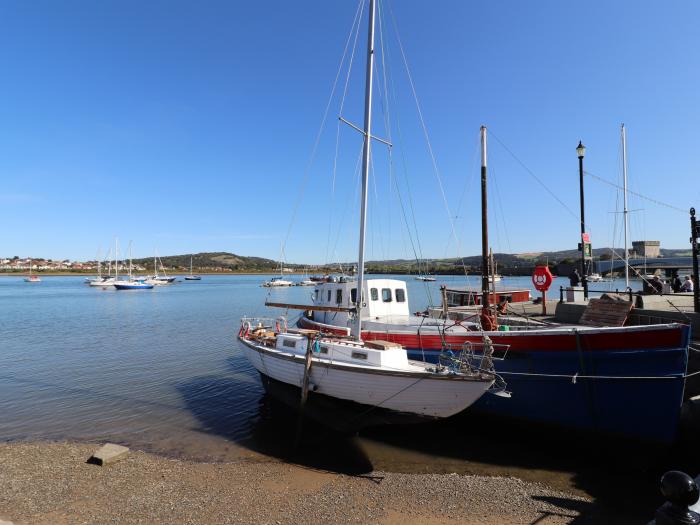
(188, 126)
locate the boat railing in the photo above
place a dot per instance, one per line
(472, 355)
(629, 293)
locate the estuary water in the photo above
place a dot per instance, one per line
(161, 370)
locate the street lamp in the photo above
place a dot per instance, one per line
(581, 151)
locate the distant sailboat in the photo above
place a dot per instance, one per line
(102, 280)
(31, 278)
(191, 276)
(155, 279)
(131, 283)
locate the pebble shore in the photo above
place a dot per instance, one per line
(51, 483)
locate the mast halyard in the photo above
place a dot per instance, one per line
(624, 209)
(357, 331)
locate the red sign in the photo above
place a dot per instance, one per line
(542, 278)
(586, 237)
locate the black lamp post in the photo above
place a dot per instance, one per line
(581, 151)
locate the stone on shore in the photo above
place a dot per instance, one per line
(108, 454)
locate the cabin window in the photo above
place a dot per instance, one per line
(289, 343)
(315, 295)
(359, 355)
(353, 295)
(323, 350)
(374, 294)
(339, 296)
(329, 296)
(400, 295)
(386, 295)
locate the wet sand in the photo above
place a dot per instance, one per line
(51, 483)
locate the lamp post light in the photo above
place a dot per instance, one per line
(581, 151)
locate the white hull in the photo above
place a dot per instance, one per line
(109, 282)
(418, 392)
(277, 284)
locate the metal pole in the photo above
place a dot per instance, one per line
(694, 231)
(584, 280)
(484, 227)
(624, 211)
(365, 171)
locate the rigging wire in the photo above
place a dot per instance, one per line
(636, 194)
(532, 174)
(356, 29)
(436, 171)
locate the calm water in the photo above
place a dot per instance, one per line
(148, 367)
(162, 370)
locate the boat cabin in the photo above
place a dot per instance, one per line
(383, 298)
(367, 353)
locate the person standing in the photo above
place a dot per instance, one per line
(676, 284)
(687, 285)
(574, 278)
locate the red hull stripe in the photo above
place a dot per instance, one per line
(604, 341)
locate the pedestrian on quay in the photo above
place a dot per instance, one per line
(687, 285)
(676, 285)
(657, 285)
(574, 278)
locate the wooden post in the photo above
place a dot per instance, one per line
(445, 306)
(304, 389)
(544, 302)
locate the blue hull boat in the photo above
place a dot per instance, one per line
(133, 286)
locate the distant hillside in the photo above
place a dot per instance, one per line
(213, 261)
(507, 263)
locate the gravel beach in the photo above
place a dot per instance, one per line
(51, 483)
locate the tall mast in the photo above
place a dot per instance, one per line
(484, 227)
(624, 210)
(365, 172)
(116, 260)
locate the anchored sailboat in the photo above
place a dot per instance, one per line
(31, 278)
(373, 371)
(191, 276)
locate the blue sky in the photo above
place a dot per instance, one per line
(188, 126)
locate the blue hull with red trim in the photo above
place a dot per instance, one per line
(625, 381)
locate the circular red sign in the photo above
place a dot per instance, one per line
(542, 278)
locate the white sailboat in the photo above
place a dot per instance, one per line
(31, 278)
(102, 281)
(375, 373)
(156, 279)
(280, 281)
(191, 276)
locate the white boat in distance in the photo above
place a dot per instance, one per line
(428, 278)
(31, 278)
(191, 276)
(277, 281)
(374, 373)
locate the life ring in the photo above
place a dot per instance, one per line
(281, 325)
(245, 330)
